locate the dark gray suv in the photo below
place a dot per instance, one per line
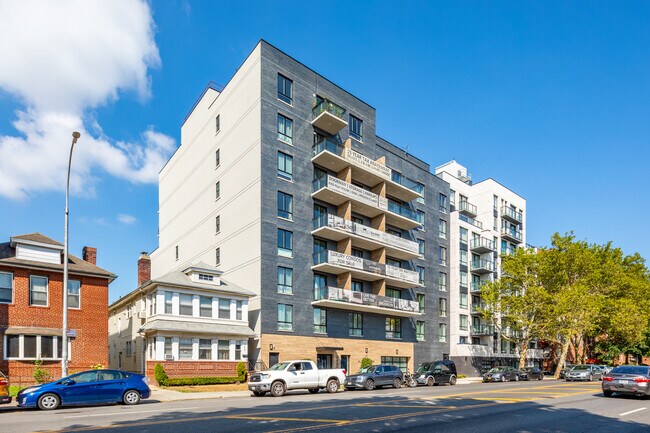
(375, 376)
(436, 373)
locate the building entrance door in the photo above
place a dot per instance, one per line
(274, 358)
(345, 363)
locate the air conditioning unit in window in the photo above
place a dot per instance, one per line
(169, 357)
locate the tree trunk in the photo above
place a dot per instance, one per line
(560, 365)
(522, 353)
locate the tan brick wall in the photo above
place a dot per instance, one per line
(295, 347)
(182, 369)
(91, 322)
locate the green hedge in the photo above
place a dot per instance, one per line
(164, 380)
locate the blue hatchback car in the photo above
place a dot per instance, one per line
(87, 388)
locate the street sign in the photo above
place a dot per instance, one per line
(72, 333)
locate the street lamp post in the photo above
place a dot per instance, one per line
(64, 337)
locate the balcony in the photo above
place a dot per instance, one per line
(482, 266)
(335, 156)
(467, 208)
(336, 228)
(402, 216)
(482, 330)
(475, 287)
(512, 235)
(333, 297)
(482, 245)
(328, 116)
(471, 221)
(477, 309)
(336, 263)
(510, 214)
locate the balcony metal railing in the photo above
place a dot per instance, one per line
(471, 221)
(328, 106)
(512, 234)
(467, 207)
(482, 243)
(366, 299)
(364, 265)
(483, 264)
(404, 211)
(406, 182)
(338, 223)
(512, 214)
(482, 330)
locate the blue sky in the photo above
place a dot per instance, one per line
(549, 98)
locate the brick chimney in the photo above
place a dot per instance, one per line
(89, 254)
(144, 268)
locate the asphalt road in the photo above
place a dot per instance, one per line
(547, 406)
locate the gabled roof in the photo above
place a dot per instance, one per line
(35, 237)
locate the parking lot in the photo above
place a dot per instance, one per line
(545, 406)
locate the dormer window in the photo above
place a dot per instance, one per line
(206, 277)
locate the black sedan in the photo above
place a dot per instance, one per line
(531, 373)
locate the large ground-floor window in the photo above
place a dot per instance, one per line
(30, 347)
(400, 362)
(189, 348)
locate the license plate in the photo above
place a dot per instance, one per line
(622, 382)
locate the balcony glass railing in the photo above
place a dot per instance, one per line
(338, 223)
(478, 308)
(323, 105)
(482, 330)
(511, 213)
(404, 211)
(367, 299)
(482, 242)
(465, 206)
(483, 264)
(357, 263)
(349, 191)
(408, 183)
(513, 234)
(508, 251)
(470, 220)
(327, 144)
(475, 287)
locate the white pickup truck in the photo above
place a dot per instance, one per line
(290, 375)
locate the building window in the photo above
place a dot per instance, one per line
(320, 287)
(320, 320)
(185, 348)
(285, 166)
(442, 332)
(13, 346)
(185, 305)
(217, 256)
(217, 124)
(463, 275)
(168, 348)
(419, 331)
(168, 302)
(393, 327)
(463, 322)
(33, 347)
(421, 248)
(420, 298)
(442, 282)
(462, 340)
(356, 128)
(463, 300)
(38, 291)
(176, 252)
(285, 243)
(238, 349)
(6, 287)
(452, 197)
(420, 218)
(442, 256)
(217, 224)
(239, 310)
(205, 348)
(285, 317)
(205, 303)
(357, 286)
(223, 349)
(463, 235)
(285, 129)
(442, 307)
(356, 324)
(442, 202)
(421, 275)
(285, 89)
(400, 362)
(393, 293)
(442, 229)
(463, 257)
(217, 158)
(495, 202)
(285, 205)
(224, 309)
(217, 190)
(285, 280)
(358, 253)
(74, 294)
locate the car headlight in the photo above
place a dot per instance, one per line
(359, 378)
(30, 389)
(583, 374)
(264, 376)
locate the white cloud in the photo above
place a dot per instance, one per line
(126, 218)
(60, 60)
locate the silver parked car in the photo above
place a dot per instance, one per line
(627, 379)
(587, 372)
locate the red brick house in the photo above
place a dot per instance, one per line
(31, 283)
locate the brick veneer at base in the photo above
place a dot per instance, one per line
(183, 369)
(22, 372)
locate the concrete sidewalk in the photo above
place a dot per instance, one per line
(170, 395)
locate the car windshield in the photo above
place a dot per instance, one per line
(527, 369)
(580, 367)
(424, 367)
(631, 369)
(496, 370)
(366, 370)
(279, 366)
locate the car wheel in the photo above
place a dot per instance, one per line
(607, 393)
(332, 386)
(369, 385)
(278, 389)
(313, 390)
(131, 397)
(516, 378)
(591, 378)
(503, 378)
(541, 377)
(259, 393)
(49, 402)
(452, 380)
(397, 383)
(430, 381)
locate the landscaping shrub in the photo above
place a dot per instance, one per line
(241, 371)
(160, 375)
(366, 362)
(164, 380)
(40, 374)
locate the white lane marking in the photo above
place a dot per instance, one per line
(632, 411)
(127, 412)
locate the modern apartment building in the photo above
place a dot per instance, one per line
(282, 183)
(487, 221)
